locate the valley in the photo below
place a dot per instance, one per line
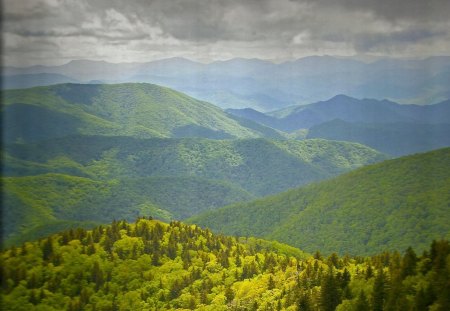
(185, 155)
(340, 179)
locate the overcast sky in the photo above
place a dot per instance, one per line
(57, 31)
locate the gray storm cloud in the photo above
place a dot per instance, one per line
(55, 31)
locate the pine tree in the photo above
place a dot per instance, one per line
(379, 291)
(97, 275)
(47, 249)
(304, 302)
(369, 272)
(271, 283)
(361, 303)
(409, 262)
(330, 298)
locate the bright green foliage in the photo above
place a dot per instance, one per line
(386, 206)
(132, 109)
(150, 265)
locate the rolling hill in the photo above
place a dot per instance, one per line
(139, 110)
(37, 205)
(385, 206)
(259, 166)
(77, 179)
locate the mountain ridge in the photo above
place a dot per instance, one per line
(98, 178)
(377, 207)
(252, 83)
(142, 110)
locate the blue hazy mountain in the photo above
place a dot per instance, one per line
(383, 125)
(35, 79)
(266, 86)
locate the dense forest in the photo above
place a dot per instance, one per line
(49, 185)
(150, 265)
(385, 206)
(130, 109)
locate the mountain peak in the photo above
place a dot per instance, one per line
(341, 97)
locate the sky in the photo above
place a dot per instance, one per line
(52, 32)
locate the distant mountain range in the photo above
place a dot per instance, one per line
(258, 84)
(385, 206)
(384, 125)
(145, 110)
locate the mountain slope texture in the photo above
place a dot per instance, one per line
(139, 110)
(52, 184)
(389, 205)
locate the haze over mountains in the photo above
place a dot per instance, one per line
(381, 124)
(258, 84)
(158, 155)
(84, 154)
(94, 152)
(81, 155)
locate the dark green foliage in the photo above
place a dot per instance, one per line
(34, 202)
(259, 166)
(362, 304)
(98, 178)
(385, 206)
(23, 122)
(304, 303)
(329, 293)
(409, 263)
(379, 291)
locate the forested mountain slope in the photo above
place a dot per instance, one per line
(385, 206)
(259, 166)
(139, 110)
(54, 183)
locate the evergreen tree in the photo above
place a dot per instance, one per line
(330, 297)
(304, 303)
(409, 262)
(47, 248)
(379, 291)
(361, 303)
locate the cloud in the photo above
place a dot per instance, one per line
(219, 29)
(393, 10)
